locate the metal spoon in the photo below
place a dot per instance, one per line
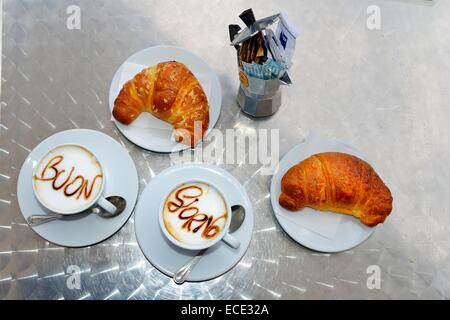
(119, 202)
(237, 219)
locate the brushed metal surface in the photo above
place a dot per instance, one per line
(385, 92)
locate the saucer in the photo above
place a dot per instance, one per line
(147, 131)
(167, 257)
(317, 230)
(82, 230)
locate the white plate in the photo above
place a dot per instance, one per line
(148, 131)
(317, 230)
(82, 230)
(164, 255)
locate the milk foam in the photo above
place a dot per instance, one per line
(84, 164)
(210, 203)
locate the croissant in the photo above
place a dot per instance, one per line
(171, 93)
(338, 182)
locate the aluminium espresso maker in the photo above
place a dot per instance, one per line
(264, 57)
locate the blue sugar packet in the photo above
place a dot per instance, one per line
(253, 70)
(267, 71)
(276, 69)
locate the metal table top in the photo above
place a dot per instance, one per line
(384, 91)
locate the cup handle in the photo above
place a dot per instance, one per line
(231, 241)
(105, 204)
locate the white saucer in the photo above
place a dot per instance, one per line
(120, 179)
(147, 131)
(168, 258)
(317, 230)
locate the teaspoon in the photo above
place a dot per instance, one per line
(119, 202)
(237, 219)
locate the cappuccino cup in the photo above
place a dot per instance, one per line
(69, 179)
(195, 215)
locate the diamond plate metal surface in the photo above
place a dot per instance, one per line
(386, 92)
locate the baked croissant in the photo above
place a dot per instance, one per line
(171, 93)
(338, 182)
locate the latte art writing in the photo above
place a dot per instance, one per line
(68, 179)
(71, 186)
(195, 220)
(195, 213)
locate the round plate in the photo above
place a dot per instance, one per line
(82, 230)
(167, 257)
(317, 230)
(147, 131)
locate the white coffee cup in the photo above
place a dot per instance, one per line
(43, 183)
(223, 235)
